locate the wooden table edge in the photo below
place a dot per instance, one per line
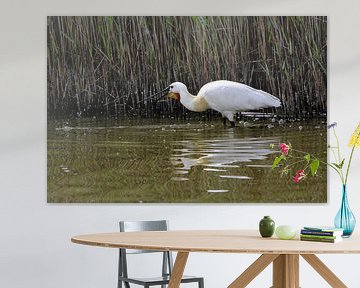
(203, 250)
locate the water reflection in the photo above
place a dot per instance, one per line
(220, 154)
(192, 161)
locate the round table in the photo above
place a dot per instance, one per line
(284, 254)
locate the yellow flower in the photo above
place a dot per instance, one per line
(355, 138)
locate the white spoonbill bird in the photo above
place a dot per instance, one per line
(226, 97)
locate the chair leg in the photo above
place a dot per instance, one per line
(201, 283)
(126, 284)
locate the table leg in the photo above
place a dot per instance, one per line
(286, 271)
(253, 270)
(324, 271)
(178, 270)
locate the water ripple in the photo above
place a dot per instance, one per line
(220, 153)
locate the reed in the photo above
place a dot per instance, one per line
(108, 66)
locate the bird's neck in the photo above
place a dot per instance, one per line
(192, 102)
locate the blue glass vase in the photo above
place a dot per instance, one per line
(345, 219)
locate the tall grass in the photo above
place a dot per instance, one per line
(108, 66)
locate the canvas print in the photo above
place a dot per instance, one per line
(167, 109)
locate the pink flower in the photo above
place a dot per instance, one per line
(300, 174)
(284, 148)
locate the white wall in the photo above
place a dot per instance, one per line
(35, 248)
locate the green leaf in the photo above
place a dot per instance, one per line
(271, 146)
(276, 162)
(314, 166)
(339, 166)
(307, 157)
(336, 165)
(342, 163)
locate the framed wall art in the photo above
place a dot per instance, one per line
(167, 109)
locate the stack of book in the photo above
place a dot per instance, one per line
(321, 234)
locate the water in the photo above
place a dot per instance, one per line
(173, 161)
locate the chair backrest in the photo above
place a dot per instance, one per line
(134, 226)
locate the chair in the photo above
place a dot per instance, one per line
(167, 265)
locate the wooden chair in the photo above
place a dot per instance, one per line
(167, 262)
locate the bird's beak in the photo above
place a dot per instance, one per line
(167, 94)
(160, 92)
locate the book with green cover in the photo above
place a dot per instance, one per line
(325, 240)
(319, 236)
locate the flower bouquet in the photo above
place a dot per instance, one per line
(301, 164)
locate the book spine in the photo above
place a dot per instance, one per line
(318, 239)
(319, 236)
(320, 233)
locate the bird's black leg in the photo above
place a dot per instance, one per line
(232, 123)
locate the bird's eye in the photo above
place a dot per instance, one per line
(171, 87)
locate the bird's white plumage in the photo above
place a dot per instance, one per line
(226, 97)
